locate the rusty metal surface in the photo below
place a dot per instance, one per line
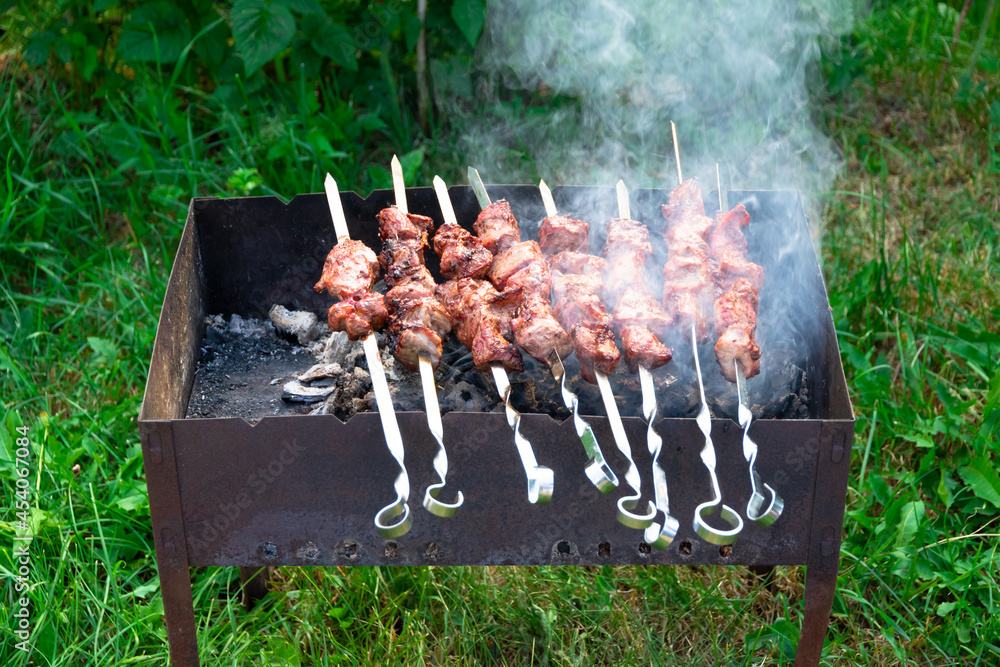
(299, 490)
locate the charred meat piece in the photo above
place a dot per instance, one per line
(417, 320)
(537, 331)
(579, 310)
(394, 224)
(685, 200)
(636, 308)
(729, 250)
(594, 344)
(409, 342)
(349, 271)
(482, 319)
(358, 317)
(517, 256)
(626, 236)
(688, 292)
(574, 285)
(688, 275)
(520, 268)
(462, 254)
(577, 262)
(736, 318)
(637, 318)
(560, 233)
(642, 348)
(496, 227)
(627, 270)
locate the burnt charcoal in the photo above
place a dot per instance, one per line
(300, 326)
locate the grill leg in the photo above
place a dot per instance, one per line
(821, 584)
(178, 612)
(254, 583)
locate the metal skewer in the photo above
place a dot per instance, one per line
(431, 406)
(657, 535)
(598, 471)
(706, 509)
(704, 420)
(540, 478)
(383, 399)
(774, 509)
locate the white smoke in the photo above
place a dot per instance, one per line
(733, 76)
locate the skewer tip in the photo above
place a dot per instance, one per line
(395, 161)
(329, 181)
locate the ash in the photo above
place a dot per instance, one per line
(251, 369)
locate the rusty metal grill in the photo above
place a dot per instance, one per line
(302, 490)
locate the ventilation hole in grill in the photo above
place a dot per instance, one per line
(726, 550)
(270, 550)
(432, 551)
(684, 548)
(645, 549)
(604, 549)
(391, 549)
(564, 547)
(348, 549)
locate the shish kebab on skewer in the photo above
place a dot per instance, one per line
(349, 273)
(417, 321)
(578, 285)
(641, 325)
(688, 291)
(738, 281)
(519, 268)
(483, 323)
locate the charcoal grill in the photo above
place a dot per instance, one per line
(302, 490)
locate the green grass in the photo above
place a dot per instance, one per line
(93, 199)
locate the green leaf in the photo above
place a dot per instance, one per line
(156, 30)
(469, 15)
(305, 7)
(982, 477)
(262, 29)
(411, 164)
(946, 608)
(105, 351)
(88, 61)
(910, 516)
(39, 46)
(331, 40)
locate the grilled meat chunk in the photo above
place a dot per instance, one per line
(637, 318)
(560, 233)
(496, 227)
(482, 319)
(537, 331)
(358, 317)
(642, 348)
(577, 262)
(517, 256)
(688, 275)
(572, 285)
(636, 308)
(626, 236)
(349, 271)
(462, 254)
(736, 319)
(394, 224)
(729, 250)
(594, 344)
(418, 322)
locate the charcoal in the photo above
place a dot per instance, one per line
(300, 325)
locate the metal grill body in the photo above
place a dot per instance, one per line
(302, 490)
